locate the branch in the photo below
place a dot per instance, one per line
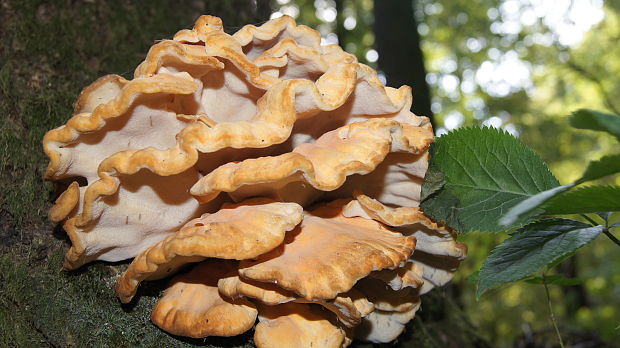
(590, 76)
(611, 236)
(605, 231)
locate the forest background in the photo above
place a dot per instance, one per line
(519, 65)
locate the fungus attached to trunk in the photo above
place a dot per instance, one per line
(240, 160)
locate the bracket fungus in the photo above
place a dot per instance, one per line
(282, 173)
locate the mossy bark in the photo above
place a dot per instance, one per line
(49, 50)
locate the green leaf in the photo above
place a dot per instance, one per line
(433, 182)
(486, 172)
(559, 260)
(528, 205)
(607, 165)
(532, 248)
(555, 279)
(474, 277)
(584, 200)
(596, 169)
(596, 120)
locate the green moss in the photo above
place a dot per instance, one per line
(69, 309)
(15, 328)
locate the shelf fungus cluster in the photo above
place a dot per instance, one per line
(277, 176)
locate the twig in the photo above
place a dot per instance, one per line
(590, 220)
(605, 231)
(611, 236)
(590, 76)
(555, 324)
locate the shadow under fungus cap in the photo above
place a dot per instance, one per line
(282, 173)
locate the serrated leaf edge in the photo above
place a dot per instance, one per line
(521, 230)
(439, 142)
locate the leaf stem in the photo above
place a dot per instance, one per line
(605, 231)
(555, 324)
(611, 236)
(590, 220)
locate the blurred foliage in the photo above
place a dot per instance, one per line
(550, 73)
(347, 23)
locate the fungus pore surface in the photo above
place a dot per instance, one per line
(277, 177)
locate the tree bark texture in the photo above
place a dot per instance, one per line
(400, 54)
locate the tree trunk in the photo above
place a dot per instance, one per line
(400, 55)
(575, 296)
(341, 32)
